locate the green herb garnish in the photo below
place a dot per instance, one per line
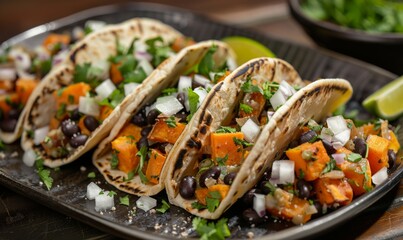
(164, 207)
(246, 108)
(124, 200)
(211, 230)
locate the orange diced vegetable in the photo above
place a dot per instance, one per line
(24, 88)
(72, 93)
(6, 100)
(131, 130)
(393, 143)
(358, 175)
(369, 129)
(161, 132)
(116, 75)
(52, 39)
(154, 167)
(201, 194)
(83, 128)
(254, 100)
(223, 76)
(377, 152)
(54, 123)
(182, 42)
(315, 160)
(105, 112)
(331, 191)
(223, 189)
(223, 146)
(287, 206)
(6, 85)
(126, 150)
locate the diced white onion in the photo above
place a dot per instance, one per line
(259, 204)
(21, 59)
(95, 25)
(337, 124)
(29, 157)
(380, 176)
(59, 57)
(92, 191)
(140, 46)
(286, 89)
(202, 94)
(146, 66)
(326, 134)
(146, 203)
(78, 33)
(40, 134)
(201, 80)
(104, 202)
(8, 74)
(283, 170)
(129, 87)
(88, 106)
(334, 174)
(143, 56)
(212, 75)
(209, 86)
(184, 84)
(231, 64)
(339, 157)
(42, 53)
(168, 105)
(105, 89)
(99, 69)
(311, 210)
(250, 130)
(277, 100)
(342, 137)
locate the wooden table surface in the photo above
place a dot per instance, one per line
(383, 220)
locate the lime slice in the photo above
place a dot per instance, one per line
(247, 49)
(387, 102)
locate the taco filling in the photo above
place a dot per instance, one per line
(325, 168)
(230, 144)
(142, 145)
(97, 89)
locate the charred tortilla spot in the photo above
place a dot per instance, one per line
(140, 26)
(132, 189)
(203, 129)
(73, 55)
(258, 169)
(179, 160)
(209, 119)
(193, 144)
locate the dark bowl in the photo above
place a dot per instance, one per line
(384, 50)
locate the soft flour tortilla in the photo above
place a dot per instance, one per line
(96, 48)
(314, 101)
(182, 62)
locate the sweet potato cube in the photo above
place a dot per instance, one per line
(223, 146)
(126, 150)
(114, 72)
(358, 175)
(105, 112)
(254, 100)
(24, 88)
(52, 39)
(331, 191)
(161, 132)
(154, 167)
(377, 152)
(369, 129)
(201, 194)
(223, 189)
(71, 94)
(6, 85)
(393, 142)
(311, 166)
(6, 102)
(131, 130)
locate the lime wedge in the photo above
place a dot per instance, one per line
(387, 102)
(247, 49)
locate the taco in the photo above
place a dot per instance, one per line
(78, 103)
(244, 124)
(132, 157)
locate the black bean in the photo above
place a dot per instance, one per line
(187, 187)
(196, 85)
(75, 115)
(182, 116)
(307, 136)
(69, 128)
(267, 175)
(143, 142)
(251, 216)
(360, 146)
(14, 113)
(318, 207)
(248, 197)
(229, 178)
(303, 188)
(139, 119)
(146, 130)
(329, 147)
(392, 158)
(264, 188)
(213, 172)
(181, 98)
(91, 123)
(152, 116)
(78, 140)
(8, 125)
(160, 147)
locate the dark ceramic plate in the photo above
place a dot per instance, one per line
(68, 192)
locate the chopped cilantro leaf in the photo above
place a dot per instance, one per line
(211, 230)
(158, 49)
(221, 160)
(111, 193)
(271, 187)
(91, 175)
(269, 88)
(44, 175)
(1, 145)
(331, 165)
(124, 200)
(246, 108)
(87, 74)
(354, 157)
(206, 65)
(165, 206)
(241, 142)
(171, 122)
(248, 87)
(168, 91)
(223, 129)
(128, 65)
(137, 76)
(61, 110)
(198, 206)
(143, 157)
(212, 204)
(193, 101)
(114, 160)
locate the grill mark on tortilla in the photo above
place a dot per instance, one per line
(73, 55)
(207, 101)
(209, 119)
(179, 160)
(129, 188)
(193, 143)
(259, 168)
(140, 27)
(203, 129)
